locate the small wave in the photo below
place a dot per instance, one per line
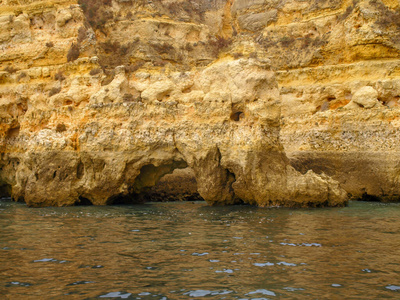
(263, 292)
(200, 254)
(267, 264)
(45, 260)
(393, 287)
(203, 293)
(116, 295)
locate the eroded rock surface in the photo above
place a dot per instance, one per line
(181, 185)
(101, 99)
(223, 122)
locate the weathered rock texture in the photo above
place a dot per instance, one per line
(180, 185)
(99, 100)
(341, 110)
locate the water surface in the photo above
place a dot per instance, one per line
(186, 250)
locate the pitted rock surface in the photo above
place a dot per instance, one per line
(262, 100)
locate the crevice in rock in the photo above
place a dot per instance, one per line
(231, 180)
(80, 170)
(82, 201)
(13, 132)
(61, 128)
(237, 113)
(369, 198)
(5, 190)
(237, 116)
(19, 199)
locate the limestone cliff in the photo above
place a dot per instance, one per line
(101, 99)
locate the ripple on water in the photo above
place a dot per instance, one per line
(366, 270)
(80, 282)
(203, 293)
(267, 264)
(292, 289)
(211, 263)
(301, 245)
(283, 263)
(45, 260)
(229, 271)
(200, 254)
(393, 287)
(14, 283)
(121, 295)
(263, 292)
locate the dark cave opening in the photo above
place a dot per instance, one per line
(82, 201)
(180, 185)
(169, 182)
(370, 198)
(5, 191)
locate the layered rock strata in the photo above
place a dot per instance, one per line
(222, 122)
(99, 100)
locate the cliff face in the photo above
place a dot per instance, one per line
(341, 109)
(101, 99)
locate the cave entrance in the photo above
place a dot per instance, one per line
(5, 191)
(165, 183)
(180, 185)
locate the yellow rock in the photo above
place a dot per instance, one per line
(250, 95)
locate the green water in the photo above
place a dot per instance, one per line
(192, 251)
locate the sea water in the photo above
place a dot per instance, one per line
(188, 250)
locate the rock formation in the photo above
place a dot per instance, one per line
(100, 99)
